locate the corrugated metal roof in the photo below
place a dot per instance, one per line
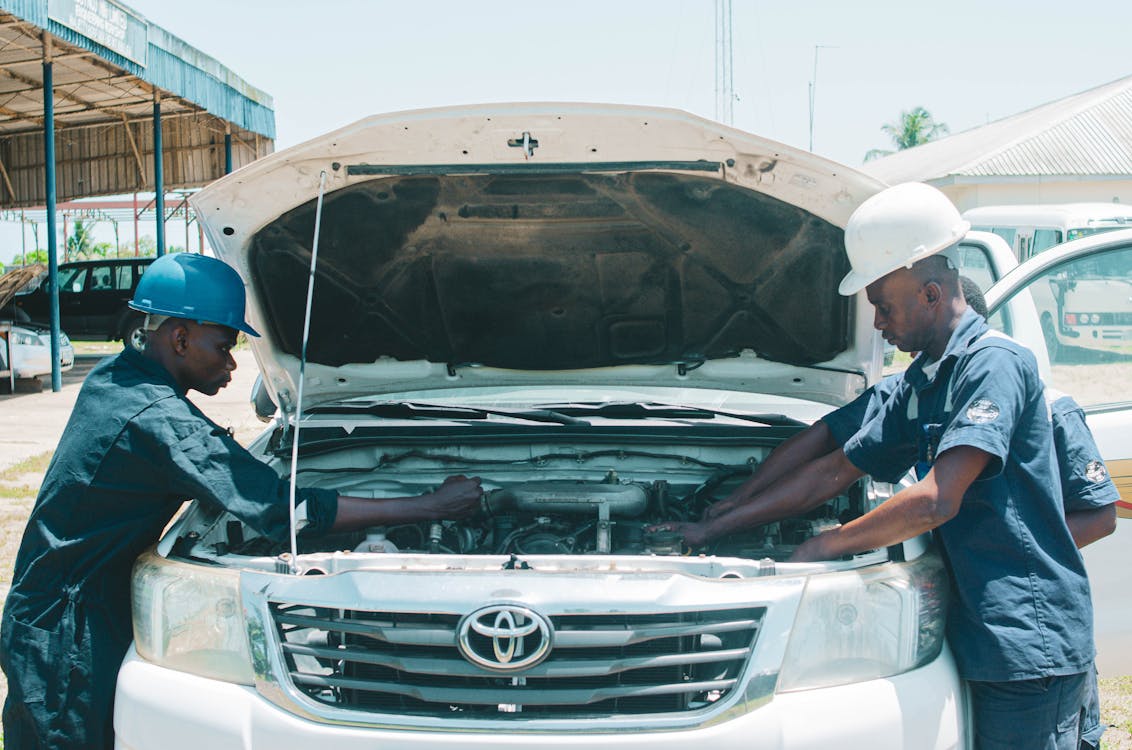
(176, 66)
(1087, 134)
(154, 55)
(109, 62)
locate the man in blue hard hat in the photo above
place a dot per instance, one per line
(133, 451)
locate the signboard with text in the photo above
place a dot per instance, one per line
(105, 22)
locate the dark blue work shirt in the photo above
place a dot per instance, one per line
(1085, 483)
(1021, 606)
(133, 451)
(845, 422)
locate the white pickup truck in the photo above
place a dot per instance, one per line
(611, 315)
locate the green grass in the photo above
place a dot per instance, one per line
(13, 480)
(34, 465)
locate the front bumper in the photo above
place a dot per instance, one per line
(161, 709)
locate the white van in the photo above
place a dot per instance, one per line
(1090, 310)
(1031, 229)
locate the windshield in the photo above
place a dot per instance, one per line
(1079, 232)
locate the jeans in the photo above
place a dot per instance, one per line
(1041, 714)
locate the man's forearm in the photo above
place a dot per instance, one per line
(911, 512)
(360, 512)
(1087, 526)
(922, 507)
(805, 489)
(808, 445)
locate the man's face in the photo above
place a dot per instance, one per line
(208, 357)
(901, 312)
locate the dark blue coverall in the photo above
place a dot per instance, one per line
(133, 451)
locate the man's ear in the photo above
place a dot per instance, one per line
(179, 338)
(932, 293)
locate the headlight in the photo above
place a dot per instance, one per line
(26, 338)
(863, 625)
(190, 618)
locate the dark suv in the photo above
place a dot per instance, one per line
(93, 297)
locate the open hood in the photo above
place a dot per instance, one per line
(19, 280)
(564, 243)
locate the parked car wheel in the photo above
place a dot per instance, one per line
(133, 333)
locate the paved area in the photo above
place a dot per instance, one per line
(32, 423)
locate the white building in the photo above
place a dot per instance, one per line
(1071, 150)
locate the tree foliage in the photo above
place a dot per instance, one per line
(31, 257)
(914, 128)
(81, 239)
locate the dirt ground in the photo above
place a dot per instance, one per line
(25, 419)
(1093, 381)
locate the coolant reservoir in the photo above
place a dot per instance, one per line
(375, 541)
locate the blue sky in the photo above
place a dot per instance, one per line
(331, 62)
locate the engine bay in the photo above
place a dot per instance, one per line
(540, 500)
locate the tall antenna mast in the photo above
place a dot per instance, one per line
(724, 59)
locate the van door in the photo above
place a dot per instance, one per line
(985, 257)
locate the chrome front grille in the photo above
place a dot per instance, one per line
(598, 665)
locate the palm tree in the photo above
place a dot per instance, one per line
(915, 127)
(81, 240)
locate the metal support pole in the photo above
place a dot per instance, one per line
(158, 175)
(228, 149)
(50, 203)
(814, 90)
(137, 240)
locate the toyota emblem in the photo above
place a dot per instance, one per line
(504, 637)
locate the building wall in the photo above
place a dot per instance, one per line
(1037, 190)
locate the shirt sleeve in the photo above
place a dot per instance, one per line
(885, 446)
(207, 464)
(1085, 483)
(843, 423)
(989, 392)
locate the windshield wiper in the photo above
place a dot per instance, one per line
(651, 410)
(413, 410)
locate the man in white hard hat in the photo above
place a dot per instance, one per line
(971, 418)
(1088, 493)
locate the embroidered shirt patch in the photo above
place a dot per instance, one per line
(1096, 472)
(982, 411)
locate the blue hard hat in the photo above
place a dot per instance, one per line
(195, 287)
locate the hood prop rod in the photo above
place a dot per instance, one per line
(294, 562)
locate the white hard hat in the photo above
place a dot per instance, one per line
(895, 228)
